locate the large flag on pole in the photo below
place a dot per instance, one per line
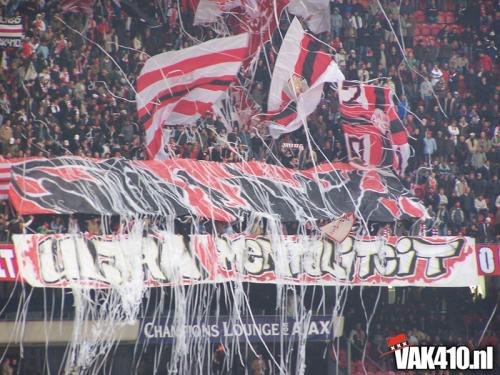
(300, 71)
(177, 87)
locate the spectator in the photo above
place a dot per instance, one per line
(4, 229)
(457, 217)
(426, 92)
(480, 205)
(430, 145)
(336, 23)
(436, 75)
(442, 219)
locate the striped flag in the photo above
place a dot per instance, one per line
(177, 87)
(300, 71)
(373, 108)
(5, 171)
(11, 32)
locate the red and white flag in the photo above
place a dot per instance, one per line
(5, 177)
(300, 71)
(177, 87)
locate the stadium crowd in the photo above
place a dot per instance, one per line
(71, 93)
(62, 93)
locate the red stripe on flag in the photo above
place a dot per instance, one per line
(202, 82)
(284, 121)
(189, 65)
(12, 30)
(321, 62)
(154, 146)
(147, 124)
(168, 101)
(304, 50)
(399, 138)
(190, 108)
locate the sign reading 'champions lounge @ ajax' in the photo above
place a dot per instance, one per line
(253, 329)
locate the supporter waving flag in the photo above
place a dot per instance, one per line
(177, 87)
(297, 84)
(373, 131)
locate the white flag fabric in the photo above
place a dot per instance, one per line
(208, 11)
(316, 13)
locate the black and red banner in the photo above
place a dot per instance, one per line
(220, 191)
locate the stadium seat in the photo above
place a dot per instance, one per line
(449, 5)
(441, 18)
(435, 29)
(450, 17)
(425, 29)
(418, 29)
(420, 17)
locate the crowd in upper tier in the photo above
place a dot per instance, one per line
(71, 93)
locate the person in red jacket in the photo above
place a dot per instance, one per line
(27, 48)
(485, 62)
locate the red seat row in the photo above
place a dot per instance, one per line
(426, 29)
(425, 40)
(443, 17)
